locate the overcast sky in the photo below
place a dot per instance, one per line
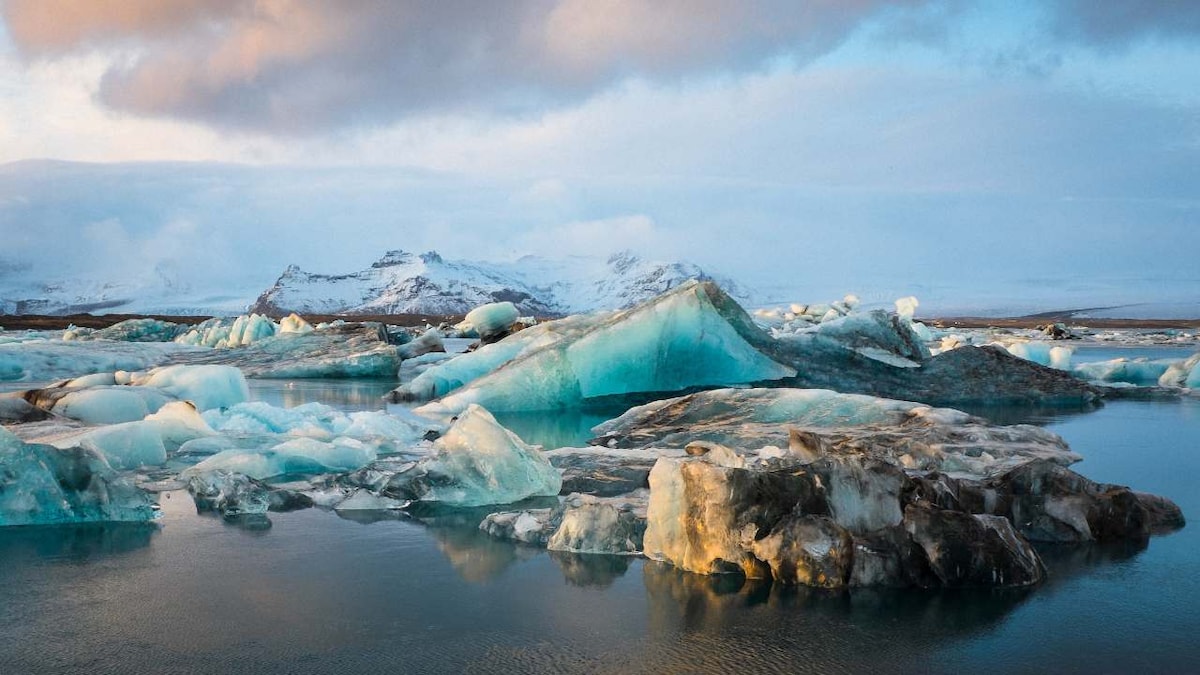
(822, 147)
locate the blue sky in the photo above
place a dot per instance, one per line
(943, 148)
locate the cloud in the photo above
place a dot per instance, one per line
(599, 237)
(1118, 23)
(295, 66)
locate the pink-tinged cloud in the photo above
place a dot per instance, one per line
(302, 66)
(293, 65)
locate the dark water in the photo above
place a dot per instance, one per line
(321, 594)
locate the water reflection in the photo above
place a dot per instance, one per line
(555, 429)
(348, 395)
(1028, 414)
(75, 543)
(590, 570)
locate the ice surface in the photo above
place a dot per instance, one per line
(147, 442)
(130, 330)
(44, 360)
(694, 335)
(479, 462)
(1044, 353)
(430, 341)
(295, 456)
(445, 377)
(876, 335)
(346, 350)
(44, 485)
(294, 323)
(317, 421)
(1141, 372)
(491, 319)
(110, 404)
(230, 494)
(207, 386)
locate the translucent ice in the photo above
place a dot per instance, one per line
(295, 456)
(207, 386)
(1042, 352)
(488, 320)
(294, 323)
(694, 335)
(1140, 371)
(479, 462)
(43, 485)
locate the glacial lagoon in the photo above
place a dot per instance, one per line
(318, 592)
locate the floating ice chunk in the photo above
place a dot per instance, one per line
(1140, 372)
(111, 404)
(44, 485)
(1184, 373)
(294, 323)
(295, 456)
(906, 307)
(248, 330)
(130, 330)
(47, 360)
(207, 386)
(345, 350)
(1043, 353)
(491, 319)
(430, 341)
(321, 422)
(230, 494)
(131, 445)
(694, 335)
(479, 462)
(876, 335)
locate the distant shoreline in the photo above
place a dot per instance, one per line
(43, 322)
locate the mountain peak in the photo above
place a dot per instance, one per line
(392, 258)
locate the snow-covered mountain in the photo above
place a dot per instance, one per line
(406, 283)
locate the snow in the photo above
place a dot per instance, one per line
(43, 485)
(491, 319)
(405, 283)
(479, 462)
(692, 336)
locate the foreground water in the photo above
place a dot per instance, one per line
(317, 593)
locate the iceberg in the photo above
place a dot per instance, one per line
(147, 442)
(112, 398)
(336, 351)
(295, 456)
(477, 462)
(1043, 353)
(294, 323)
(130, 330)
(49, 360)
(1140, 371)
(692, 336)
(44, 485)
(492, 319)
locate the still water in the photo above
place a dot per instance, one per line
(316, 593)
